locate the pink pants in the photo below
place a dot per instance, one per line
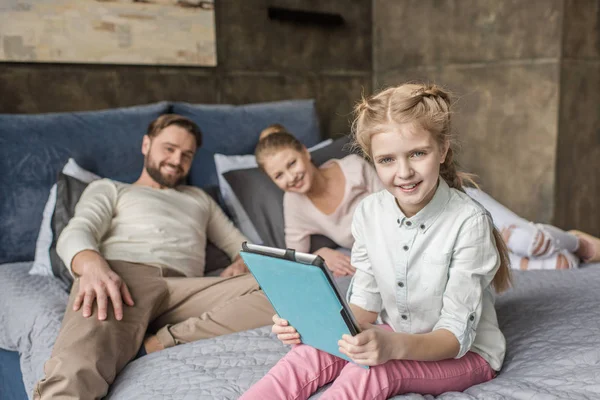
(305, 369)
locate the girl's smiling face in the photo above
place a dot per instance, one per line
(407, 160)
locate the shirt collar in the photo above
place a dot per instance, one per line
(424, 218)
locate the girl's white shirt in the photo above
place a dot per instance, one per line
(431, 271)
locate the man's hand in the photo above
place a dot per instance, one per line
(236, 268)
(98, 282)
(338, 262)
(373, 346)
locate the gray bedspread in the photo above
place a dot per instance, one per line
(551, 320)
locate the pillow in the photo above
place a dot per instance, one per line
(41, 264)
(263, 200)
(68, 192)
(34, 148)
(225, 164)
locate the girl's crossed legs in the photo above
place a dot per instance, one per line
(305, 369)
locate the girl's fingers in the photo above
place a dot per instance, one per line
(279, 321)
(283, 329)
(288, 336)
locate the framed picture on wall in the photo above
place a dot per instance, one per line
(155, 32)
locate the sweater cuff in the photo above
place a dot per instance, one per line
(71, 248)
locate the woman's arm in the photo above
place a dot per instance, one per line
(295, 220)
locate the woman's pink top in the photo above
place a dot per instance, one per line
(303, 218)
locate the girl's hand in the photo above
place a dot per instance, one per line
(338, 262)
(286, 333)
(373, 346)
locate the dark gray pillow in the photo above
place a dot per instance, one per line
(263, 200)
(68, 192)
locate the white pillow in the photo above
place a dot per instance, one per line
(238, 214)
(41, 264)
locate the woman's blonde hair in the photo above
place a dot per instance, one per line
(429, 106)
(273, 139)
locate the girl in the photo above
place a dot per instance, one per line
(426, 256)
(317, 200)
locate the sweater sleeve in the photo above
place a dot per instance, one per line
(221, 231)
(92, 219)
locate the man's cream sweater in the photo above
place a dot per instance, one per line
(159, 227)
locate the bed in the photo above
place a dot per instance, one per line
(551, 320)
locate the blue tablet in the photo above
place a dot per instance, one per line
(302, 290)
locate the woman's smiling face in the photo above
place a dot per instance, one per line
(291, 170)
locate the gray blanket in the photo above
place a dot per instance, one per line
(551, 320)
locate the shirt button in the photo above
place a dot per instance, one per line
(404, 317)
(405, 247)
(408, 223)
(472, 317)
(398, 221)
(401, 284)
(422, 226)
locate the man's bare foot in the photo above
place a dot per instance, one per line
(152, 344)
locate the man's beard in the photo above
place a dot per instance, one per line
(169, 181)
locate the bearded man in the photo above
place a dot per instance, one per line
(137, 253)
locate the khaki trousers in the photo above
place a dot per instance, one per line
(88, 353)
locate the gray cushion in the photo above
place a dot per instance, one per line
(233, 130)
(34, 148)
(263, 200)
(68, 192)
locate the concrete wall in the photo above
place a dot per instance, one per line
(258, 60)
(527, 75)
(520, 70)
(578, 148)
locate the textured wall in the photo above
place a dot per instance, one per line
(502, 59)
(258, 60)
(578, 150)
